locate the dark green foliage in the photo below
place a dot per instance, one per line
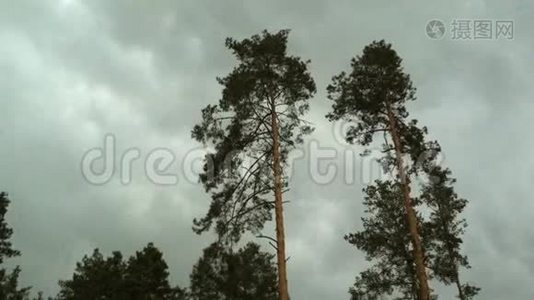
(238, 174)
(96, 277)
(362, 96)
(9, 285)
(221, 274)
(469, 291)
(446, 228)
(144, 276)
(9, 289)
(385, 240)
(6, 248)
(377, 82)
(372, 284)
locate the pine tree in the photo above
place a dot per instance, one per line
(373, 95)
(446, 229)
(252, 129)
(385, 239)
(146, 275)
(221, 274)
(9, 289)
(96, 277)
(143, 277)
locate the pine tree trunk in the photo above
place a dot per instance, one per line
(283, 293)
(424, 290)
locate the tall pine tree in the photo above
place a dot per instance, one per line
(373, 95)
(404, 243)
(252, 129)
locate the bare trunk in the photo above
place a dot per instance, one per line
(283, 293)
(424, 290)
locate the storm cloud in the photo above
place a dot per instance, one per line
(73, 71)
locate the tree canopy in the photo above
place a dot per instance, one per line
(143, 277)
(221, 274)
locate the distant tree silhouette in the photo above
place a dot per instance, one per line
(143, 277)
(96, 277)
(9, 289)
(221, 274)
(147, 274)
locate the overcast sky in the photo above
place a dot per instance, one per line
(72, 71)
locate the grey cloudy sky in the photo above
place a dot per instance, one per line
(72, 71)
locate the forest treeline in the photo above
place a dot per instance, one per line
(412, 228)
